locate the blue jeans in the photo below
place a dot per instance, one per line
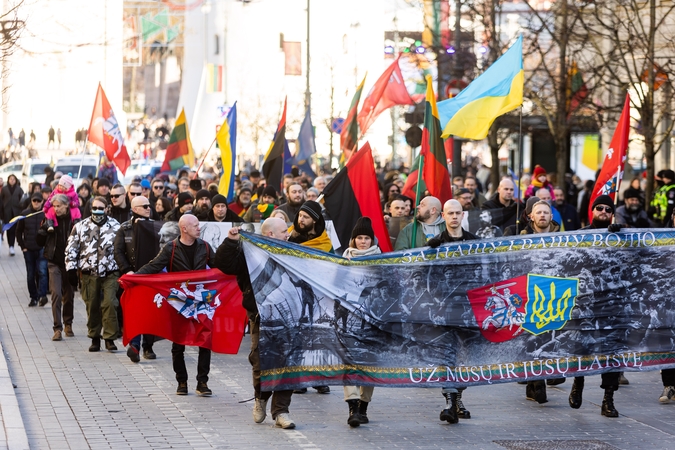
(36, 264)
(148, 340)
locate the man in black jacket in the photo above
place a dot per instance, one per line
(54, 244)
(453, 214)
(230, 259)
(503, 199)
(125, 257)
(220, 212)
(603, 212)
(120, 209)
(33, 254)
(185, 253)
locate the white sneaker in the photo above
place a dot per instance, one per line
(284, 421)
(11, 251)
(259, 410)
(668, 394)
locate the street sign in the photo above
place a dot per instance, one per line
(336, 125)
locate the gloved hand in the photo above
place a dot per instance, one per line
(434, 242)
(73, 279)
(614, 227)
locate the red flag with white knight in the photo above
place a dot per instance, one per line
(104, 131)
(200, 308)
(615, 159)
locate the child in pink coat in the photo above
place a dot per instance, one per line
(65, 187)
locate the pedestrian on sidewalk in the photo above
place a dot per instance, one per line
(54, 244)
(231, 260)
(187, 252)
(33, 254)
(11, 200)
(91, 251)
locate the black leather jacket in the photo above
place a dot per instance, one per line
(55, 243)
(125, 242)
(173, 256)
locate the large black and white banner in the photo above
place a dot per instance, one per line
(489, 311)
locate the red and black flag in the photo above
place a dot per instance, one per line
(435, 165)
(354, 193)
(273, 167)
(349, 136)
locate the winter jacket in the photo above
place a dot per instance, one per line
(174, 215)
(424, 233)
(125, 243)
(91, 247)
(174, 258)
(230, 216)
(554, 228)
(445, 237)
(11, 202)
(230, 260)
(55, 243)
(570, 217)
(290, 210)
(637, 219)
(120, 214)
(509, 212)
(27, 229)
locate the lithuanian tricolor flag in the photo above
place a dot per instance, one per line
(349, 137)
(435, 166)
(179, 153)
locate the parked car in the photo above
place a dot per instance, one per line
(142, 168)
(78, 166)
(11, 168)
(34, 171)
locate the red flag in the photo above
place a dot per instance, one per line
(200, 308)
(349, 136)
(105, 132)
(615, 159)
(354, 193)
(389, 90)
(435, 166)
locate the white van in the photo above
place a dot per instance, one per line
(34, 171)
(78, 166)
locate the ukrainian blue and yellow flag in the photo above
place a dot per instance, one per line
(496, 91)
(227, 141)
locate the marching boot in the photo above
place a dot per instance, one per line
(363, 411)
(608, 409)
(449, 414)
(575, 398)
(353, 420)
(536, 391)
(462, 412)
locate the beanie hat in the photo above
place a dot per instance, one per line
(217, 199)
(66, 181)
(631, 193)
(363, 227)
(202, 193)
(244, 189)
(145, 183)
(462, 191)
(270, 191)
(538, 171)
(604, 200)
(530, 204)
(196, 184)
(184, 198)
(668, 174)
(313, 209)
(36, 196)
(103, 182)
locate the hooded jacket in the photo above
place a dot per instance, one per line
(424, 233)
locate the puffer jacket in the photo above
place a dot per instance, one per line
(174, 258)
(91, 247)
(27, 229)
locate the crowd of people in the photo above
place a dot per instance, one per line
(83, 238)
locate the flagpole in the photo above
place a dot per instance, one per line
(420, 166)
(204, 159)
(86, 140)
(520, 169)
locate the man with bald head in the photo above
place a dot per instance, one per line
(186, 252)
(230, 260)
(429, 224)
(452, 214)
(125, 256)
(503, 199)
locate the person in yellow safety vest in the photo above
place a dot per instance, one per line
(663, 202)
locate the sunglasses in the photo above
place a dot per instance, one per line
(135, 194)
(98, 208)
(144, 206)
(158, 187)
(36, 201)
(116, 195)
(600, 208)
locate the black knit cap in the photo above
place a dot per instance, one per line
(631, 193)
(668, 174)
(202, 193)
(184, 198)
(195, 184)
(363, 227)
(269, 191)
(313, 209)
(604, 200)
(218, 199)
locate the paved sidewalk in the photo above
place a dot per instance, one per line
(70, 398)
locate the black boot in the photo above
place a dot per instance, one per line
(575, 398)
(449, 414)
(363, 411)
(353, 420)
(462, 412)
(536, 390)
(95, 344)
(608, 409)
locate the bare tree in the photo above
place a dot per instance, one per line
(11, 27)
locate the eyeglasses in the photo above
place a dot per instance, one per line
(601, 208)
(98, 208)
(116, 195)
(135, 194)
(143, 206)
(35, 200)
(158, 187)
